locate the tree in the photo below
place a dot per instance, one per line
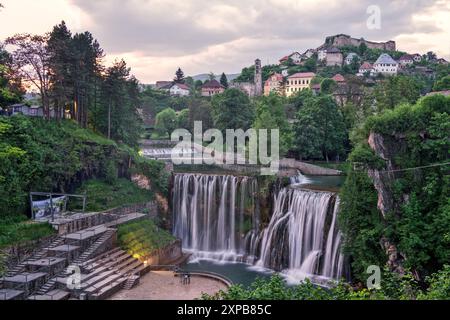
(166, 121)
(179, 76)
(442, 84)
(11, 89)
(117, 116)
(183, 119)
(232, 109)
(61, 61)
(396, 90)
(200, 110)
(270, 114)
(31, 59)
(327, 86)
(320, 129)
(224, 80)
(211, 76)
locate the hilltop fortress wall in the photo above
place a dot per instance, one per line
(341, 40)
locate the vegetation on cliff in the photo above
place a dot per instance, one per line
(406, 159)
(140, 238)
(39, 155)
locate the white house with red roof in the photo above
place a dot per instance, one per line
(365, 68)
(294, 56)
(385, 65)
(179, 89)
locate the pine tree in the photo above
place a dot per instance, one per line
(224, 80)
(179, 76)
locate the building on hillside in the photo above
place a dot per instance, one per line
(365, 69)
(179, 89)
(349, 58)
(273, 84)
(339, 79)
(442, 61)
(294, 56)
(252, 89)
(298, 81)
(406, 60)
(211, 88)
(334, 57)
(385, 65)
(161, 84)
(417, 57)
(309, 53)
(30, 111)
(343, 40)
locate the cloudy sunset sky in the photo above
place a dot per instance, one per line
(156, 36)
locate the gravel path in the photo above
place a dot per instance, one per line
(162, 285)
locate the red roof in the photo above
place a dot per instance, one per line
(406, 57)
(338, 78)
(182, 86)
(284, 58)
(302, 75)
(366, 66)
(213, 84)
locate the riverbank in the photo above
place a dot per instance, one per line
(163, 285)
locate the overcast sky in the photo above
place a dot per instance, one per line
(201, 36)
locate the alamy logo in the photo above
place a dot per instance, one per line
(374, 280)
(74, 280)
(374, 19)
(238, 147)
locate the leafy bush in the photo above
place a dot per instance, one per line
(16, 230)
(140, 238)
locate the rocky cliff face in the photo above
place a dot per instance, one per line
(382, 181)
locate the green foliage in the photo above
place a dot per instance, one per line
(103, 195)
(17, 230)
(39, 155)
(183, 119)
(320, 130)
(327, 86)
(442, 84)
(141, 238)
(419, 224)
(232, 109)
(270, 115)
(396, 90)
(166, 122)
(224, 80)
(393, 287)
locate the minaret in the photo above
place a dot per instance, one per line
(258, 78)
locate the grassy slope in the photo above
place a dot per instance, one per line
(102, 195)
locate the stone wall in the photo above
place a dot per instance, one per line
(166, 255)
(341, 40)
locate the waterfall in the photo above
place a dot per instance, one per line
(217, 217)
(299, 179)
(213, 214)
(295, 239)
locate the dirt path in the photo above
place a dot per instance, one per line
(162, 285)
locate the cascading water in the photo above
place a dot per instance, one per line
(217, 217)
(299, 179)
(295, 239)
(212, 214)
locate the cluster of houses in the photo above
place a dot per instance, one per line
(209, 88)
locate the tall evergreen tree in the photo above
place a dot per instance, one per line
(224, 80)
(179, 76)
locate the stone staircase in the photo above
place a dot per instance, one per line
(91, 250)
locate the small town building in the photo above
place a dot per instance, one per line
(298, 81)
(211, 88)
(406, 60)
(334, 57)
(339, 78)
(417, 57)
(350, 57)
(309, 53)
(162, 84)
(385, 65)
(365, 69)
(294, 56)
(179, 89)
(273, 84)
